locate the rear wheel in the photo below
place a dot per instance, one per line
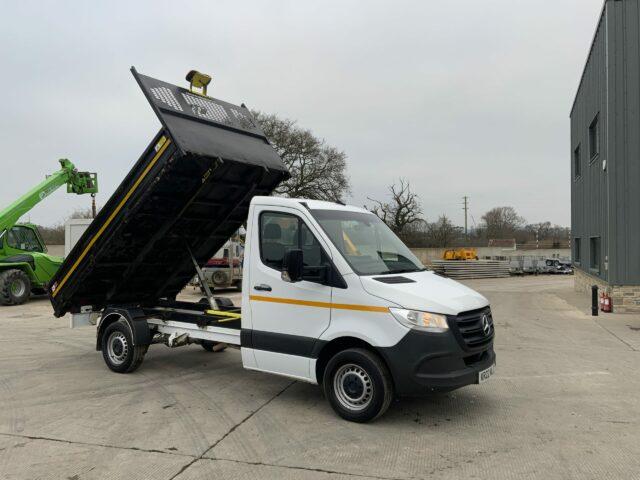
(358, 385)
(118, 350)
(15, 287)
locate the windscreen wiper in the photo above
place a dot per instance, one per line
(404, 270)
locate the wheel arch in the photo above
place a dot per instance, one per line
(24, 267)
(326, 351)
(135, 319)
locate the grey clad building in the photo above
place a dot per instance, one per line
(605, 159)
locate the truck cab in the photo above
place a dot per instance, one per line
(322, 279)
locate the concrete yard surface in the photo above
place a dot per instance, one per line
(564, 404)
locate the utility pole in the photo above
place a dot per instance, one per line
(466, 210)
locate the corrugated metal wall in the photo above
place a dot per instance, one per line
(607, 203)
(624, 144)
(589, 190)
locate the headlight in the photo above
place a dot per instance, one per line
(430, 322)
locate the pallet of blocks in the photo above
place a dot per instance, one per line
(466, 269)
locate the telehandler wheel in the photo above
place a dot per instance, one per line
(15, 287)
(210, 346)
(118, 350)
(358, 385)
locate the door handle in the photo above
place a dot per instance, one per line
(263, 287)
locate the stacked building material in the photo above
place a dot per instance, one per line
(461, 270)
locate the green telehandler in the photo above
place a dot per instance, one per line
(25, 267)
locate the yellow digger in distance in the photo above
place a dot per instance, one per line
(464, 253)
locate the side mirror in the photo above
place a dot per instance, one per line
(292, 266)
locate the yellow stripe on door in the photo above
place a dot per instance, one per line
(307, 303)
(161, 146)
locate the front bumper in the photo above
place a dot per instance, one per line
(423, 363)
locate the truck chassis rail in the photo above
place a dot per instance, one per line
(179, 333)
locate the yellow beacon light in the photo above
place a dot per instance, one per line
(198, 80)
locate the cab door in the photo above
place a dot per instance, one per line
(286, 317)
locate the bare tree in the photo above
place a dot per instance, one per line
(318, 171)
(502, 222)
(53, 235)
(443, 233)
(81, 213)
(403, 210)
(546, 232)
(416, 235)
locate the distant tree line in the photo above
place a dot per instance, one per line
(54, 235)
(404, 215)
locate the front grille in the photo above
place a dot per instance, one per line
(468, 328)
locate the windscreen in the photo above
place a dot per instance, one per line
(23, 238)
(365, 241)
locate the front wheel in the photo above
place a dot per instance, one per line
(358, 385)
(118, 350)
(15, 287)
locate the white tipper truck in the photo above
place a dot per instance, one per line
(330, 295)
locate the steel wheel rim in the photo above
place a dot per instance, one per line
(18, 287)
(353, 387)
(117, 348)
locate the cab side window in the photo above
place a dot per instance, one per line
(280, 232)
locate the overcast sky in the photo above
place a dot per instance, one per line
(462, 97)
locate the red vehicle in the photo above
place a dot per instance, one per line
(224, 269)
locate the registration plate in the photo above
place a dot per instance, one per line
(484, 375)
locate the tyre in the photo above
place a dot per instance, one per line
(118, 350)
(15, 287)
(220, 278)
(210, 346)
(358, 385)
(239, 285)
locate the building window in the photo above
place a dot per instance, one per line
(594, 254)
(576, 250)
(594, 137)
(577, 163)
